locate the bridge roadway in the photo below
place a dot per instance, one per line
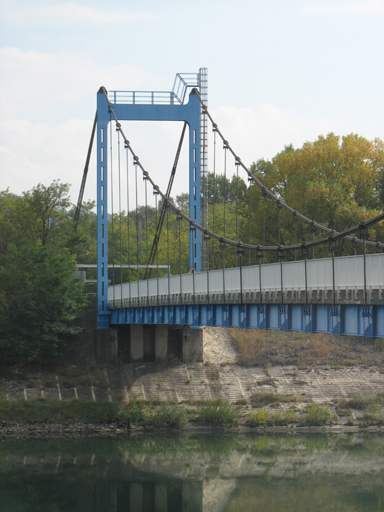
(235, 298)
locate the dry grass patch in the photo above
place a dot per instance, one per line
(262, 348)
(274, 399)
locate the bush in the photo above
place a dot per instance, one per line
(262, 399)
(374, 415)
(166, 414)
(169, 415)
(264, 418)
(219, 414)
(317, 415)
(134, 414)
(260, 418)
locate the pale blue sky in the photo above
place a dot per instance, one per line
(279, 72)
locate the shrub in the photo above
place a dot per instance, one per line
(264, 417)
(360, 403)
(317, 415)
(168, 415)
(260, 418)
(242, 401)
(165, 414)
(262, 399)
(219, 414)
(374, 415)
(133, 414)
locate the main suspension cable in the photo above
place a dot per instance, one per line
(267, 191)
(333, 234)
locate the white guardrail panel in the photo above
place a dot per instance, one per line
(348, 274)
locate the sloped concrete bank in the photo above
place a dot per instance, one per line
(201, 381)
(189, 384)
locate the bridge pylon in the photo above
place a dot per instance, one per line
(149, 106)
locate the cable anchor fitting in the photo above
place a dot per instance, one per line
(304, 250)
(363, 232)
(259, 254)
(280, 253)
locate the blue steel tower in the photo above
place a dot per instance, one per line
(152, 106)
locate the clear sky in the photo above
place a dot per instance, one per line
(280, 72)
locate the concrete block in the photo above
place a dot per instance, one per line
(161, 343)
(192, 345)
(137, 342)
(106, 345)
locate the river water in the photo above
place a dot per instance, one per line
(194, 473)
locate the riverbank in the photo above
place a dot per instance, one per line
(264, 412)
(336, 384)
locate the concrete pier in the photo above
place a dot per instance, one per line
(148, 343)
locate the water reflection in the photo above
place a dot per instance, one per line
(194, 474)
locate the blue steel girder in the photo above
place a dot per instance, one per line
(189, 113)
(349, 319)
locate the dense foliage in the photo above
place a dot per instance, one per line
(335, 181)
(38, 292)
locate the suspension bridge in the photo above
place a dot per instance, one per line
(162, 268)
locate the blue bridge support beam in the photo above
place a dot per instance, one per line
(347, 319)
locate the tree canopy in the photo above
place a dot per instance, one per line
(38, 292)
(336, 181)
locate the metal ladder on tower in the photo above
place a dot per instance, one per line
(203, 86)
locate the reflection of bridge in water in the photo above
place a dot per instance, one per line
(227, 279)
(202, 474)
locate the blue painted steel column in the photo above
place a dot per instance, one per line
(102, 213)
(194, 182)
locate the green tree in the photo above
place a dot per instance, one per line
(38, 292)
(39, 298)
(47, 209)
(336, 181)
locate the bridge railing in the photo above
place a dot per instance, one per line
(278, 283)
